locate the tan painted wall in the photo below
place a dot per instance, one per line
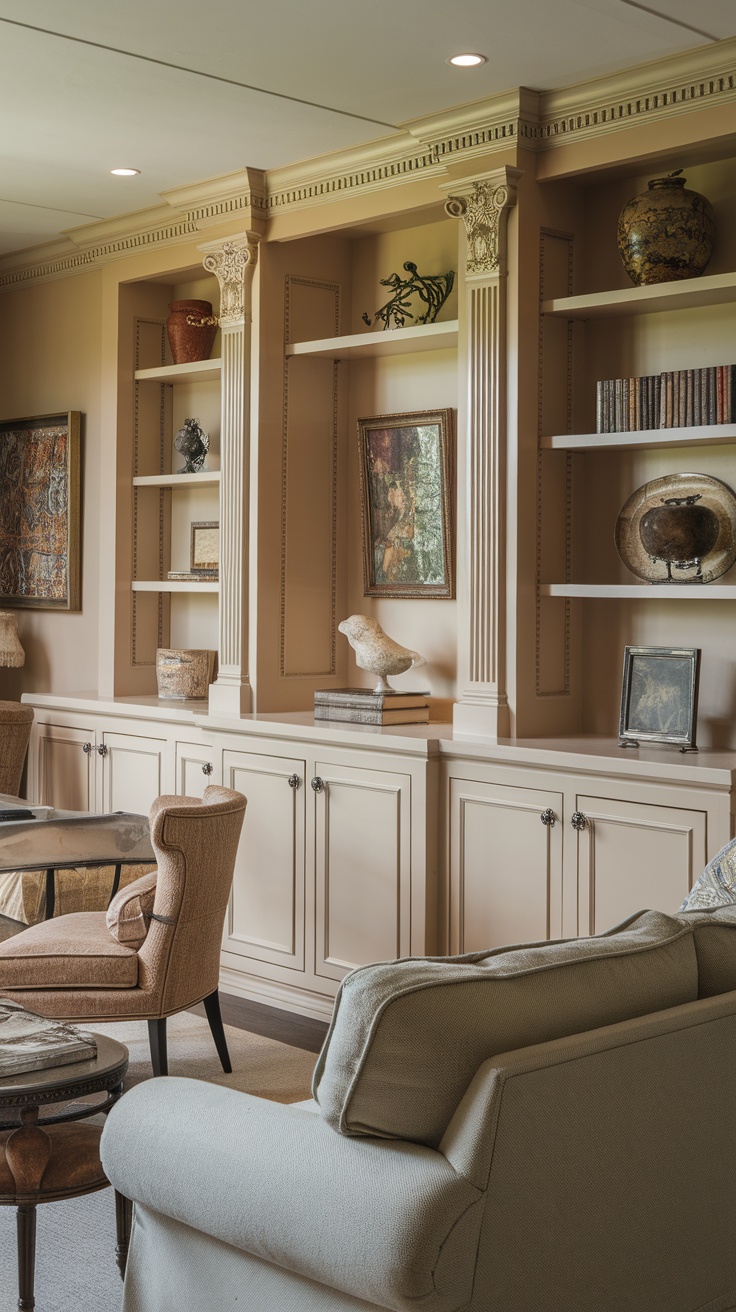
(50, 361)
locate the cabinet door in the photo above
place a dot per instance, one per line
(505, 851)
(265, 923)
(133, 772)
(633, 855)
(65, 771)
(362, 845)
(195, 769)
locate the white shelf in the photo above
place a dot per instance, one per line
(396, 341)
(690, 293)
(642, 591)
(171, 585)
(177, 480)
(696, 435)
(200, 371)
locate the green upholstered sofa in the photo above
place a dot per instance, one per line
(544, 1128)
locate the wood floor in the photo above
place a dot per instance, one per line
(271, 1022)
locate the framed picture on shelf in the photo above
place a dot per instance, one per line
(204, 555)
(406, 487)
(40, 512)
(659, 696)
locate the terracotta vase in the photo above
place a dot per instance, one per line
(191, 327)
(666, 233)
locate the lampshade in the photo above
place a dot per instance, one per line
(11, 652)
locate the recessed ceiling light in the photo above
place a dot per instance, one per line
(125, 173)
(467, 61)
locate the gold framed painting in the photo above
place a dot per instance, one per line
(40, 561)
(407, 488)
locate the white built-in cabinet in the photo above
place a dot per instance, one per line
(361, 844)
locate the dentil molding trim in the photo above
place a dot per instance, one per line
(422, 148)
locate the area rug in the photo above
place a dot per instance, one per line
(75, 1250)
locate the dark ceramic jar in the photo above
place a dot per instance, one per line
(191, 328)
(666, 233)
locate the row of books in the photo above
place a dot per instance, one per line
(366, 706)
(678, 398)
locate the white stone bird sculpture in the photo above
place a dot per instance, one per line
(375, 651)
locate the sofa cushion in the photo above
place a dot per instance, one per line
(71, 952)
(714, 935)
(716, 887)
(129, 914)
(407, 1036)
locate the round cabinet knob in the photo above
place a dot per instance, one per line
(86, 748)
(318, 784)
(102, 750)
(295, 781)
(548, 817)
(207, 768)
(578, 820)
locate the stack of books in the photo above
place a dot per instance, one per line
(193, 575)
(29, 1042)
(366, 706)
(676, 398)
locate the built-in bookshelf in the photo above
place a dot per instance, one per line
(373, 345)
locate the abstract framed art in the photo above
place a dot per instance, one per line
(659, 696)
(40, 562)
(406, 484)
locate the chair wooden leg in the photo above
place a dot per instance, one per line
(123, 1221)
(212, 1008)
(157, 1042)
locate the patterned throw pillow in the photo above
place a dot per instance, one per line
(129, 914)
(716, 887)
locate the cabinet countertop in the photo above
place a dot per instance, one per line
(584, 753)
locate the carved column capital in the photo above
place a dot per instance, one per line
(483, 206)
(229, 260)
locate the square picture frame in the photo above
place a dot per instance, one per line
(406, 501)
(40, 508)
(204, 547)
(659, 696)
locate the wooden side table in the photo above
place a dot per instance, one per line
(47, 1158)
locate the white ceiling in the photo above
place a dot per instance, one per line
(185, 90)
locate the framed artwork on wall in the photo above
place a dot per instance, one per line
(659, 696)
(40, 512)
(406, 496)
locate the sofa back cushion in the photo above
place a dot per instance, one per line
(407, 1036)
(714, 935)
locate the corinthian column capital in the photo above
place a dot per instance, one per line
(483, 204)
(231, 261)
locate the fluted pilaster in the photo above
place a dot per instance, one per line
(233, 264)
(483, 205)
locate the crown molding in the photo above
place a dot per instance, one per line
(420, 149)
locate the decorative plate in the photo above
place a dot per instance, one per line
(678, 529)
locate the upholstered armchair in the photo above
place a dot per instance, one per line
(156, 950)
(15, 731)
(536, 1129)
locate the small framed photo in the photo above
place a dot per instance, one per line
(406, 501)
(204, 553)
(659, 696)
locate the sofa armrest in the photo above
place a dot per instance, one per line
(389, 1222)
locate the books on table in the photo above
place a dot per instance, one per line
(29, 1042)
(366, 706)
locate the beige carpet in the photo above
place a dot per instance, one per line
(75, 1259)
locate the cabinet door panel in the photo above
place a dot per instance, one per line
(66, 773)
(133, 772)
(191, 779)
(266, 918)
(505, 866)
(362, 867)
(633, 855)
